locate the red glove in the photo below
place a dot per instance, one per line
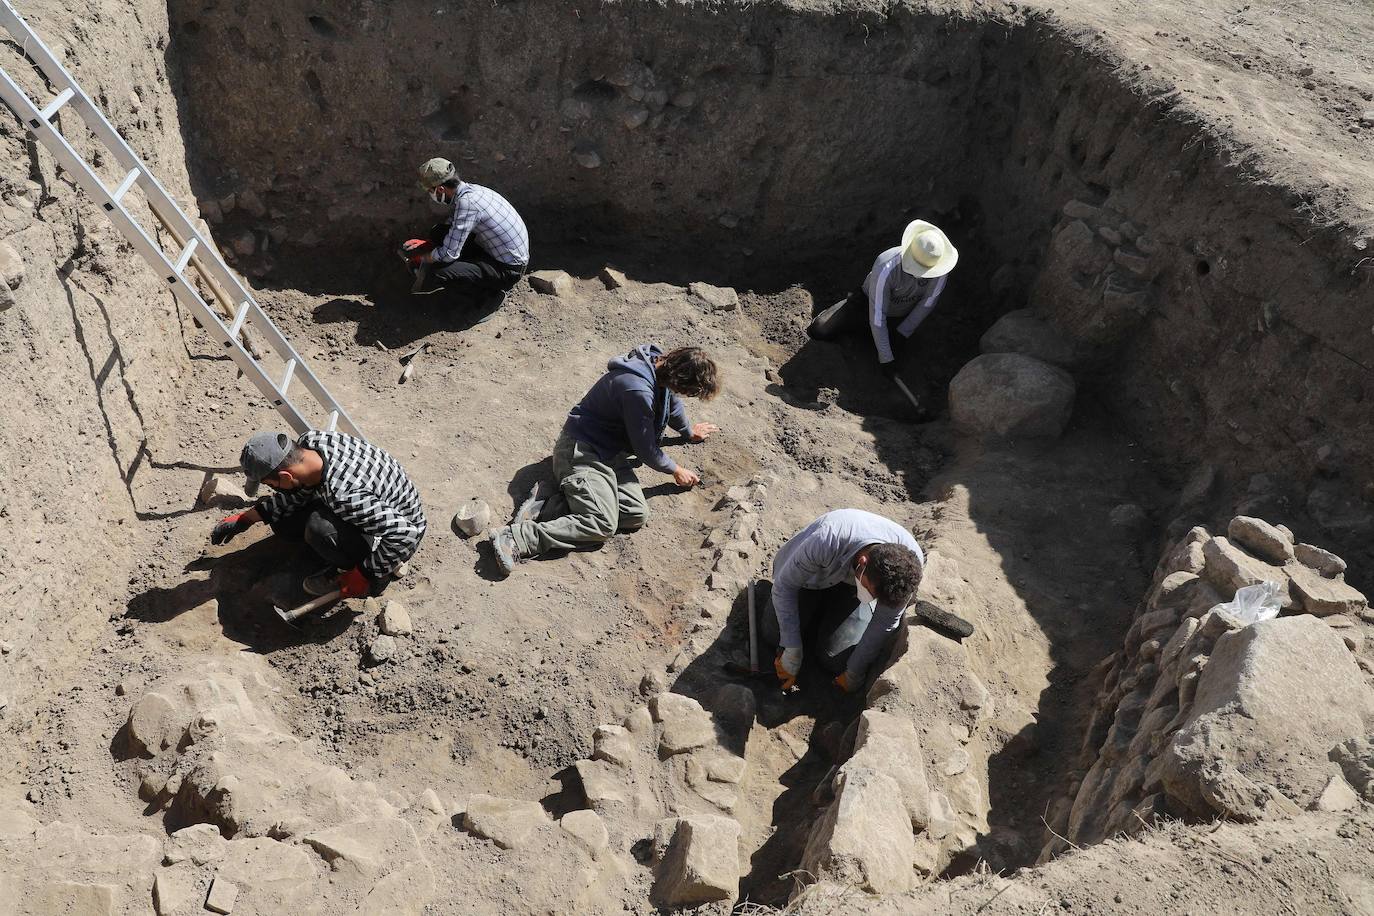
(414, 251)
(229, 527)
(842, 682)
(355, 584)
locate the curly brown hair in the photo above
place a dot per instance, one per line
(689, 371)
(895, 572)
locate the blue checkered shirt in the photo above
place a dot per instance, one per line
(491, 221)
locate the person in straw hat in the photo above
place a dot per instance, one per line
(905, 284)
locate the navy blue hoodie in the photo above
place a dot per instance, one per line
(627, 410)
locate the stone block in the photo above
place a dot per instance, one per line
(612, 278)
(222, 897)
(588, 828)
(551, 282)
(507, 822)
(1271, 702)
(889, 745)
(718, 298)
(221, 492)
(1323, 597)
(1011, 396)
(1337, 796)
(367, 848)
(863, 838)
(1323, 561)
(613, 744)
(700, 861)
(603, 786)
(198, 844)
(1261, 539)
(1230, 568)
(472, 518)
(1021, 332)
(174, 890)
(394, 619)
(685, 725)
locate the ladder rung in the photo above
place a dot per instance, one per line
(185, 256)
(63, 98)
(333, 423)
(124, 186)
(239, 319)
(286, 377)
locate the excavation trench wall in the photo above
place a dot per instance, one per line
(766, 144)
(92, 358)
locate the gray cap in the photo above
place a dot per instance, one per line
(435, 172)
(263, 454)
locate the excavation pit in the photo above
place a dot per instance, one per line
(770, 148)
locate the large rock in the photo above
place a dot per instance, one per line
(685, 724)
(888, 744)
(1230, 568)
(700, 863)
(368, 848)
(1323, 597)
(161, 717)
(1323, 561)
(1011, 396)
(719, 298)
(1272, 701)
(864, 838)
(507, 822)
(1261, 539)
(1021, 332)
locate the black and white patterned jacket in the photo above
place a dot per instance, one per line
(365, 487)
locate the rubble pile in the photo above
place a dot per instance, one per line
(1204, 713)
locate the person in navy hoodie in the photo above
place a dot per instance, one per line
(624, 414)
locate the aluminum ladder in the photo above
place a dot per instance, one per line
(196, 251)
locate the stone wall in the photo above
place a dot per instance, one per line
(1202, 715)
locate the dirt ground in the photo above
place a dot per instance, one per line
(502, 683)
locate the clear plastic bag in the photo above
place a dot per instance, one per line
(1254, 603)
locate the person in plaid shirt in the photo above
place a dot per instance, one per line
(484, 246)
(349, 501)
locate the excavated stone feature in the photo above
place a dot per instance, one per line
(685, 724)
(1261, 538)
(888, 744)
(700, 862)
(1230, 568)
(162, 717)
(1324, 597)
(507, 822)
(588, 827)
(1274, 697)
(1011, 396)
(716, 298)
(551, 282)
(1020, 331)
(864, 837)
(1323, 561)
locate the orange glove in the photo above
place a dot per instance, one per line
(788, 680)
(355, 584)
(842, 682)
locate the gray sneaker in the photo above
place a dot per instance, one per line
(531, 506)
(322, 582)
(503, 545)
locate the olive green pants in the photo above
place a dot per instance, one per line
(595, 500)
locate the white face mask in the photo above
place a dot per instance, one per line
(437, 195)
(865, 596)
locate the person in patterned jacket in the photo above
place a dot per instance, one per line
(350, 502)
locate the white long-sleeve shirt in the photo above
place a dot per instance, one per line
(893, 293)
(821, 555)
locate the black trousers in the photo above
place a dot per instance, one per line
(822, 613)
(473, 267)
(334, 540)
(849, 314)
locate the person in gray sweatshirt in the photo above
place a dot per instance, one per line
(625, 413)
(873, 565)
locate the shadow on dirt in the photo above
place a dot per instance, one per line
(245, 584)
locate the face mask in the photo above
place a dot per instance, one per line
(437, 195)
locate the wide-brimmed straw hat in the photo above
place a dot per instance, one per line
(926, 251)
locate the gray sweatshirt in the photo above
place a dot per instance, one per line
(821, 555)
